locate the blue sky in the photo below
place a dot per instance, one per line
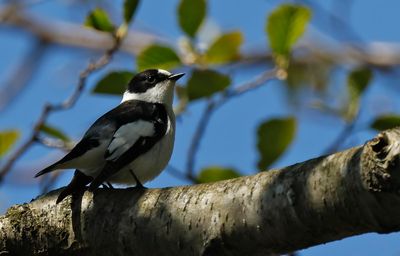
(227, 142)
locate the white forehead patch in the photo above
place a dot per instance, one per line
(164, 72)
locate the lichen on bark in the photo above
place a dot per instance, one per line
(320, 200)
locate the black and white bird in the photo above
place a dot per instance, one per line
(130, 144)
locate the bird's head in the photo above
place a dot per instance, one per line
(152, 85)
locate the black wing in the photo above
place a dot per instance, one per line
(105, 127)
(154, 113)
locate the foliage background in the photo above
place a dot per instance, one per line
(319, 97)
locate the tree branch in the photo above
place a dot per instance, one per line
(70, 34)
(377, 54)
(197, 136)
(23, 74)
(213, 105)
(324, 199)
(68, 103)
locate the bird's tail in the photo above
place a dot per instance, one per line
(77, 184)
(46, 170)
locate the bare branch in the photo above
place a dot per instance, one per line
(23, 74)
(341, 138)
(68, 103)
(383, 55)
(54, 143)
(47, 182)
(71, 34)
(253, 84)
(212, 106)
(178, 174)
(197, 136)
(342, 28)
(324, 199)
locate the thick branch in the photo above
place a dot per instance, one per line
(324, 199)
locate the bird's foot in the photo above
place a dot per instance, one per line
(107, 185)
(139, 185)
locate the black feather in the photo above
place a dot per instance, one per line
(46, 170)
(78, 183)
(81, 148)
(159, 118)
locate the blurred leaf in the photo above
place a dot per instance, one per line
(54, 132)
(129, 9)
(183, 100)
(204, 83)
(385, 122)
(285, 26)
(191, 14)
(310, 74)
(7, 140)
(225, 48)
(157, 56)
(357, 81)
(113, 83)
(98, 19)
(274, 137)
(216, 173)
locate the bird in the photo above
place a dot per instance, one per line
(130, 144)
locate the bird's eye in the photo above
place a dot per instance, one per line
(151, 79)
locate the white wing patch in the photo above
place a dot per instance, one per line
(127, 135)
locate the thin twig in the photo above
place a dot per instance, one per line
(54, 143)
(341, 138)
(198, 134)
(23, 74)
(68, 103)
(255, 83)
(175, 172)
(47, 183)
(213, 105)
(342, 28)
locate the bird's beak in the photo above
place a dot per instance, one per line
(175, 77)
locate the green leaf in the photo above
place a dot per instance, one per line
(129, 9)
(204, 83)
(7, 140)
(157, 56)
(54, 132)
(98, 19)
(357, 81)
(216, 173)
(285, 26)
(113, 83)
(225, 48)
(191, 14)
(385, 122)
(274, 137)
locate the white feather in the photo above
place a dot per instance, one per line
(127, 135)
(92, 160)
(162, 93)
(147, 166)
